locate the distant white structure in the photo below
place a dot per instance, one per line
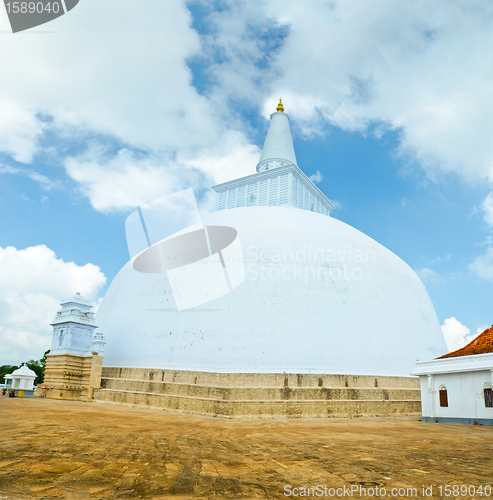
(74, 329)
(457, 388)
(318, 297)
(278, 181)
(22, 380)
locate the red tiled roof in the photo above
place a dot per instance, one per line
(482, 344)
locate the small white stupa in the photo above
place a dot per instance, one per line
(22, 381)
(74, 363)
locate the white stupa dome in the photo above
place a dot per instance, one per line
(371, 315)
(24, 371)
(318, 295)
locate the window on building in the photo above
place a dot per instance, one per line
(443, 397)
(488, 397)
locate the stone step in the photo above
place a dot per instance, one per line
(260, 408)
(259, 393)
(268, 380)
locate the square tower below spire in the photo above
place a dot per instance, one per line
(286, 186)
(278, 181)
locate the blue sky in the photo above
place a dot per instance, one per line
(391, 104)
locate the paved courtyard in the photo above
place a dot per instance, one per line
(60, 449)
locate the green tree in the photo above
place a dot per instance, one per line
(5, 370)
(38, 367)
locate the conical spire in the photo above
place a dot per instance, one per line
(278, 147)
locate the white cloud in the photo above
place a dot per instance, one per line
(456, 334)
(418, 68)
(96, 305)
(123, 73)
(337, 205)
(421, 79)
(225, 162)
(481, 329)
(427, 274)
(32, 283)
(20, 130)
(41, 179)
(482, 266)
(317, 177)
(120, 181)
(487, 207)
(125, 179)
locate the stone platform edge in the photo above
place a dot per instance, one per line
(284, 379)
(260, 395)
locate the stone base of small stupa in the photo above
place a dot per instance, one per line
(72, 377)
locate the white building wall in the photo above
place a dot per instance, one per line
(464, 378)
(72, 337)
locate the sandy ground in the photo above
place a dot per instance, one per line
(60, 449)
